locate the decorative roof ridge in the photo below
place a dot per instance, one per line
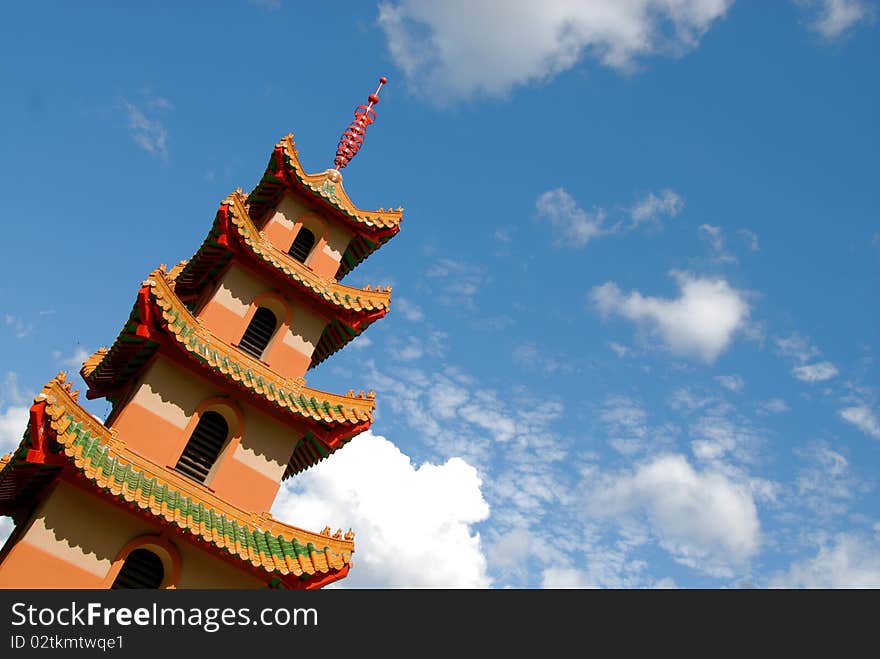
(328, 186)
(235, 364)
(103, 458)
(340, 295)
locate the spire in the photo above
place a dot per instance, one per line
(353, 138)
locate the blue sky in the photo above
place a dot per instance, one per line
(634, 330)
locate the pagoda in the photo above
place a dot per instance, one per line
(210, 408)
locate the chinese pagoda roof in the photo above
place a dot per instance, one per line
(70, 440)
(285, 173)
(356, 308)
(159, 315)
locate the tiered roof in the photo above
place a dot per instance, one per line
(233, 233)
(64, 440)
(285, 173)
(160, 317)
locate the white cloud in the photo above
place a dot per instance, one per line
(572, 225)
(575, 227)
(535, 359)
(848, 562)
(834, 18)
(148, 132)
(461, 281)
(410, 311)
(74, 360)
(462, 48)
(751, 239)
(731, 382)
(18, 326)
(651, 208)
(13, 421)
(863, 418)
(701, 322)
(703, 519)
(360, 342)
(818, 372)
(6, 527)
(625, 423)
(773, 406)
(824, 484)
(797, 347)
(619, 349)
(715, 237)
(414, 525)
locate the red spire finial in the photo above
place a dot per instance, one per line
(353, 138)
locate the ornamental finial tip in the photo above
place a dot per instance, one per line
(353, 138)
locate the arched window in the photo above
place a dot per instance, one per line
(204, 446)
(141, 569)
(259, 331)
(302, 245)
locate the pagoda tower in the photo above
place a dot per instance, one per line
(210, 408)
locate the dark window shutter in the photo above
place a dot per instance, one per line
(302, 245)
(203, 447)
(141, 569)
(259, 331)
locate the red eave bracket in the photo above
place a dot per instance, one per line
(319, 580)
(332, 439)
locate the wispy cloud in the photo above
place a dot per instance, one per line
(654, 207)
(833, 19)
(574, 226)
(458, 282)
(863, 418)
(19, 327)
(145, 127)
(818, 372)
(74, 360)
(847, 561)
(715, 237)
(750, 238)
(731, 382)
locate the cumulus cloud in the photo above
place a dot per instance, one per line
(701, 322)
(462, 48)
(834, 18)
(703, 519)
(863, 418)
(12, 424)
(847, 562)
(573, 226)
(414, 525)
(818, 372)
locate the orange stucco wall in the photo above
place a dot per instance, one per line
(163, 410)
(229, 310)
(331, 239)
(74, 537)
